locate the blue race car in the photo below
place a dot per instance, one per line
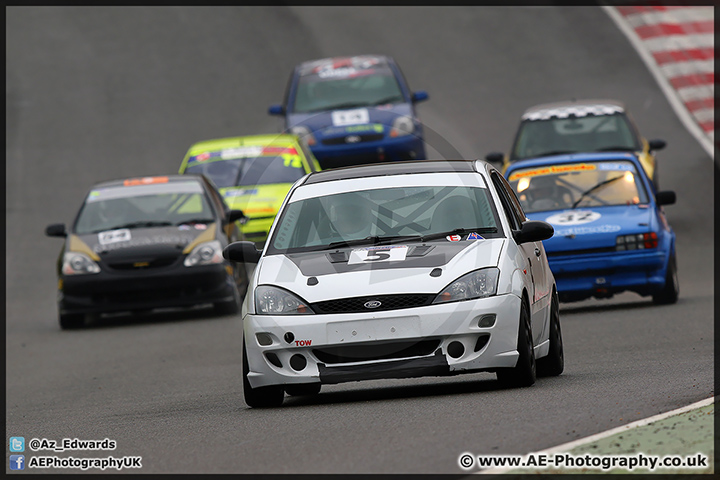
(353, 110)
(611, 234)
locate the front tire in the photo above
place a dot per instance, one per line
(523, 374)
(670, 292)
(553, 364)
(261, 397)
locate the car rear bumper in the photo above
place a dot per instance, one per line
(601, 275)
(442, 339)
(179, 286)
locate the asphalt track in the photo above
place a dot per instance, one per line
(94, 93)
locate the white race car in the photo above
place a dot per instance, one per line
(399, 270)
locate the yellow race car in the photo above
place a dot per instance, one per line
(253, 173)
(579, 126)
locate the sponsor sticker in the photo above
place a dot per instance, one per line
(114, 236)
(240, 192)
(341, 118)
(183, 227)
(573, 217)
(474, 236)
(552, 170)
(241, 152)
(389, 253)
(200, 226)
(453, 238)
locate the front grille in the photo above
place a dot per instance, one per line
(387, 302)
(375, 351)
(370, 137)
(150, 295)
(139, 265)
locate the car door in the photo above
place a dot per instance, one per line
(532, 252)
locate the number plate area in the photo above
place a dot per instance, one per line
(373, 329)
(388, 253)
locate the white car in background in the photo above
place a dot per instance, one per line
(398, 270)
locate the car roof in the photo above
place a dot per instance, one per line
(391, 168)
(574, 158)
(579, 108)
(149, 180)
(248, 140)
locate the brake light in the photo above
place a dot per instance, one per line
(638, 241)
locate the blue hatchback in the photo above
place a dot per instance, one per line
(611, 234)
(353, 110)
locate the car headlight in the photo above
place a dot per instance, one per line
(205, 254)
(478, 284)
(304, 133)
(76, 263)
(402, 126)
(276, 301)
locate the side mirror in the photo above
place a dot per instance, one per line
(235, 215)
(666, 197)
(496, 158)
(242, 252)
(533, 231)
(420, 96)
(657, 144)
(276, 110)
(56, 230)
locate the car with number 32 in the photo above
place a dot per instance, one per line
(611, 233)
(397, 270)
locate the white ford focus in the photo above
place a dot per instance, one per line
(397, 270)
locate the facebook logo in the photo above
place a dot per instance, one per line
(17, 462)
(17, 444)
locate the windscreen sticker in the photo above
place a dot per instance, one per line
(389, 253)
(615, 166)
(554, 169)
(587, 230)
(114, 236)
(240, 152)
(341, 118)
(573, 217)
(474, 236)
(453, 238)
(145, 181)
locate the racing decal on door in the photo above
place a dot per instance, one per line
(390, 253)
(350, 117)
(114, 236)
(573, 217)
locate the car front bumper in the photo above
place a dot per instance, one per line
(442, 339)
(581, 276)
(407, 147)
(176, 286)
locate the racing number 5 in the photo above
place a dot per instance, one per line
(377, 255)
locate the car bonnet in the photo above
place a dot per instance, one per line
(594, 227)
(341, 274)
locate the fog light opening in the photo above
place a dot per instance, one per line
(456, 349)
(487, 321)
(264, 339)
(298, 362)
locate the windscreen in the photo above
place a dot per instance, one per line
(587, 184)
(143, 206)
(384, 214)
(574, 134)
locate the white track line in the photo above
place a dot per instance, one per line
(665, 86)
(598, 436)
